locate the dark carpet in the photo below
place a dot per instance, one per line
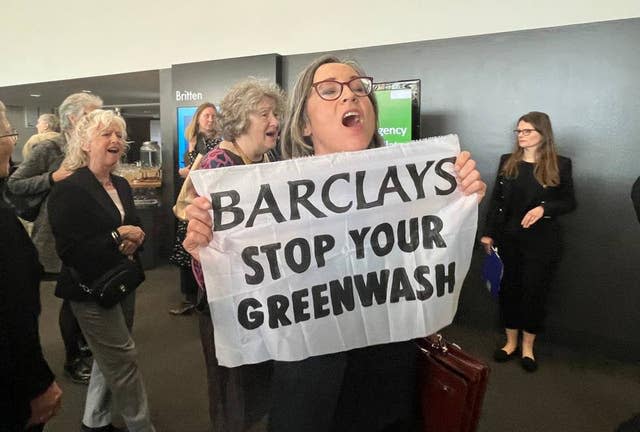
(571, 392)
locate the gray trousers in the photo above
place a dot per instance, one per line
(116, 385)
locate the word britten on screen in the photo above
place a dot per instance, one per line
(325, 254)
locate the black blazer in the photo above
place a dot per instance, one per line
(82, 216)
(556, 200)
(24, 373)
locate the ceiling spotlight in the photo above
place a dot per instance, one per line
(35, 95)
(86, 91)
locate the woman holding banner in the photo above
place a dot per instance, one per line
(249, 118)
(332, 109)
(533, 187)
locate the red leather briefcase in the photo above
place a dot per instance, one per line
(452, 386)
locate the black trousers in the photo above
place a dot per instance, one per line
(188, 285)
(530, 260)
(366, 389)
(70, 331)
(239, 396)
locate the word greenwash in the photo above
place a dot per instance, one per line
(338, 296)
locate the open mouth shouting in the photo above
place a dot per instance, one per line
(351, 119)
(114, 149)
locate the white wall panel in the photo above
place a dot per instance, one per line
(46, 41)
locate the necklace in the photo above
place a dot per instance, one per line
(244, 157)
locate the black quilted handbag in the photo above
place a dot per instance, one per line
(115, 284)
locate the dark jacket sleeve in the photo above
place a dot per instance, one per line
(22, 363)
(495, 214)
(635, 197)
(560, 199)
(82, 228)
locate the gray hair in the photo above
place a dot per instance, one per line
(86, 130)
(74, 107)
(51, 120)
(242, 99)
(293, 141)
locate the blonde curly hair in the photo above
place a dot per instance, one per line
(87, 128)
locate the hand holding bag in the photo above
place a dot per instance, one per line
(492, 272)
(115, 284)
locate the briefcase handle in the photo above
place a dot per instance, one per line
(437, 342)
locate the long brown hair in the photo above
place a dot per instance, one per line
(192, 131)
(546, 169)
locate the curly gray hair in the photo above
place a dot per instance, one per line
(243, 99)
(86, 129)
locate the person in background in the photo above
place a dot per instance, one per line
(533, 187)
(633, 424)
(30, 395)
(203, 135)
(635, 197)
(332, 109)
(48, 127)
(238, 397)
(36, 174)
(96, 226)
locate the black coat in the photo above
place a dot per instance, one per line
(82, 216)
(635, 197)
(555, 200)
(24, 373)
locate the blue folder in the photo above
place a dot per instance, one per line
(492, 269)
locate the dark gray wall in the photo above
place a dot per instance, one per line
(213, 79)
(586, 78)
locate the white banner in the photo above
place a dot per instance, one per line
(325, 254)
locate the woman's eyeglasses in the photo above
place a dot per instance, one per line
(13, 133)
(524, 132)
(331, 89)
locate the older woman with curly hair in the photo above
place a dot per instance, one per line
(36, 176)
(96, 228)
(250, 119)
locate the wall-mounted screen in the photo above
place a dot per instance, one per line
(185, 114)
(398, 110)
